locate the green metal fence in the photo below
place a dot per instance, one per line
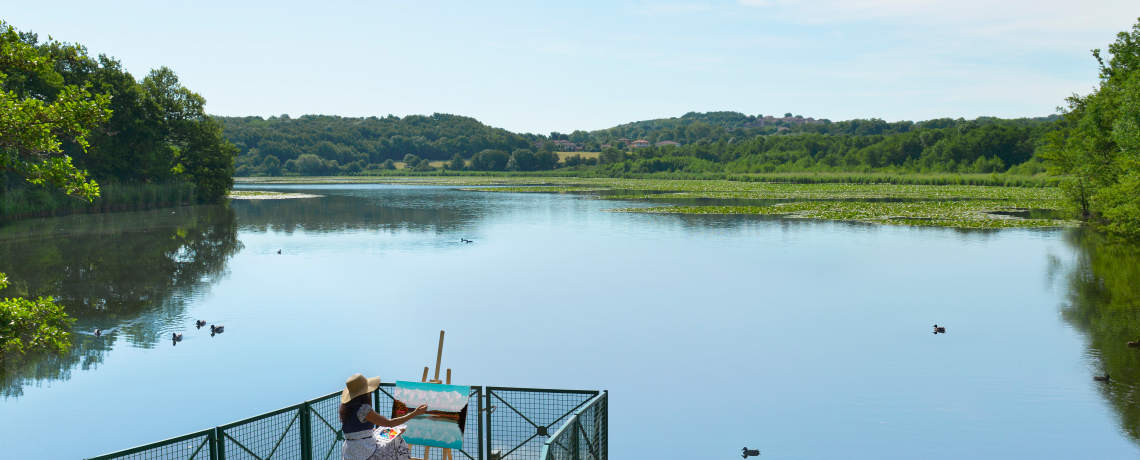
(194, 446)
(584, 436)
(522, 419)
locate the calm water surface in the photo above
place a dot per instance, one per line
(806, 339)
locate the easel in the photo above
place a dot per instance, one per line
(424, 379)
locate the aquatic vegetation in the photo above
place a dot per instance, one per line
(964, 206)
(534, 189)
(960, 214)
(260, 195)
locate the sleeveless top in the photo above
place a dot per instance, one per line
(355, 422)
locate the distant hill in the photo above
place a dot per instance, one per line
(709, 142)
(371, 140)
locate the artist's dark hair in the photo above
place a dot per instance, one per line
(349, 409)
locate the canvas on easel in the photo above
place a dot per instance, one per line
(443, 424)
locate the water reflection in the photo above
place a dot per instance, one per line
(127, 274)
(434, 210)
(1104, 303)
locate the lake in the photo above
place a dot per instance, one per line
(803, 338)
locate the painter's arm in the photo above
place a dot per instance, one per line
(383, 421)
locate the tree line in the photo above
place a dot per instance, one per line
(709, 142)
(157, 130)
(323, 144)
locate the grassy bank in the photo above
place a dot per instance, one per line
(36, 201)
(998, 180)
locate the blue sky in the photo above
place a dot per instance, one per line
(547, 66)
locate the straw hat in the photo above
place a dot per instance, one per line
(358, 385)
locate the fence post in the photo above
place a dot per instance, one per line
(604, 440)
(490, 445)
(479, 402)
(220, 434)
(306, 433)
(213, 444)
(575, 431)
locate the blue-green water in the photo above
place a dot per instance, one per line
(803, 338)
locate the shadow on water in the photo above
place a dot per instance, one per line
(1104, 303)
(81, 261)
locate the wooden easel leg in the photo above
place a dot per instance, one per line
(445, 453)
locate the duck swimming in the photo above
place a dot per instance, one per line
(97, 333)
(217, 329)
(1135, 344)
(176, 337)
(939, 329)
(1102, 378)
(199, 323)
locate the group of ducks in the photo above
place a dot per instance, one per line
(177, 337)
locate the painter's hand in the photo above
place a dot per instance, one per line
(421, 410)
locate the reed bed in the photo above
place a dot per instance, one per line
(34, 201)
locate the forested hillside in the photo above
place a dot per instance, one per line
(983, 145)
(709, 142)
(322, 144)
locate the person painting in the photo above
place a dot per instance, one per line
(359, 421)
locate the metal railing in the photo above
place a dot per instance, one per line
(583, 436)
(514, 425)
(525, 417)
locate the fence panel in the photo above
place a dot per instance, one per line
(584, 437)
(193, 446)
(273, 436)
(520, 420)
(324, 431)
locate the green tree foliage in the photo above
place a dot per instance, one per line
(489, 160)
(610, 155)
(457, 163)
(158, 130)
(27, 325)
(522, 160)
(39, 113)
(1099, 147)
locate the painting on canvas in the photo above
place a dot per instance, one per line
(442, 425)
